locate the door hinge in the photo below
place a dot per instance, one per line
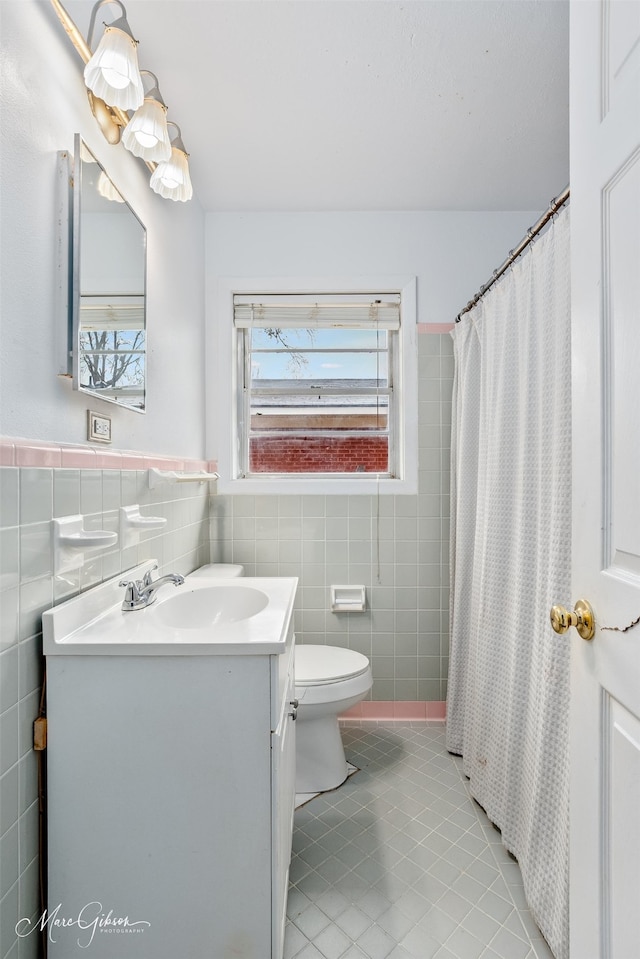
(40, 733)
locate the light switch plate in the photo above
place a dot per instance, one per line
(98, 427)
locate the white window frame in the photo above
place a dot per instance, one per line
(222, 389)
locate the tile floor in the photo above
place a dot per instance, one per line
(400, 863)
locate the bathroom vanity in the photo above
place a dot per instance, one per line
(171, 771)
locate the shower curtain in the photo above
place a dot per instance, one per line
(508, 697)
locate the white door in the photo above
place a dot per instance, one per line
(605, 671)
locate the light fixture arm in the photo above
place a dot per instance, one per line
(120, 23)
(73, 33)
(177, 140)
(153, 92)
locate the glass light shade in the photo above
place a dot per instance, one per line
(112, 73)
(146, 134)
(171, 179)
(107, 189)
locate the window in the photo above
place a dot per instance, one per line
(111, 347)
(320, 396)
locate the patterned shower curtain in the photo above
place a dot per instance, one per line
(508, 700)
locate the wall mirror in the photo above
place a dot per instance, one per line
(109, 284)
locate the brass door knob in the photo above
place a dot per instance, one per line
(581, 617)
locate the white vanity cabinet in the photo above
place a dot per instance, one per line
(171, 788)
(283, 794)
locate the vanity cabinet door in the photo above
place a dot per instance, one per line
(283, 755)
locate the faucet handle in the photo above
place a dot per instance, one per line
(132, 594)
(147, 580)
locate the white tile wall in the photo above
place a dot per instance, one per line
(29, 498)
(398, 546)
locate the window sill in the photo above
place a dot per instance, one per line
(317, 485)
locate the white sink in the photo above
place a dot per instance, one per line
(201, 617)
(207, 607)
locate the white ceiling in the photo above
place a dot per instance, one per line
(295, 105)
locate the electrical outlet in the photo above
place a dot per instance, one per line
(98, 427)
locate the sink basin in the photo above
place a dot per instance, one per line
(202, 617)
(209, 607)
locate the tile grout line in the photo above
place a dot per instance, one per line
(369, 743)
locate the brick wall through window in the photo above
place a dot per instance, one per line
(318, 454)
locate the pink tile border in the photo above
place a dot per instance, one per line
(7, 453)
(133, 461)
(410, 710)
(78, 458)
(416, 711)
(108, 459)
(382, 709)
(37, 454)
(16, 451)
(435, 327)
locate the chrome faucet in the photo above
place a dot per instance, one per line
(141, 593)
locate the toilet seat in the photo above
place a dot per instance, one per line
(323, 665)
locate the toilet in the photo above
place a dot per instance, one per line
(328, 680)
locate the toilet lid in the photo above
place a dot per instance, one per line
(327, 664)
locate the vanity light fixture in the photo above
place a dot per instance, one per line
(121, 105)
(171, 177)
(112, 73)
(146, 134)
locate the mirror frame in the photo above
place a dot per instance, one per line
(76, 288)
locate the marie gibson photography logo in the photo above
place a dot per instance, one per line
(91, 919)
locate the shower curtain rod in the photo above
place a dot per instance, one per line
(532, 232)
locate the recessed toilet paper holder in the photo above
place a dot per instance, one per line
(348, 599)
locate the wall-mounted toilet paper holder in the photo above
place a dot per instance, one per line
(348, 599)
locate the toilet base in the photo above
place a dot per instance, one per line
(320, 759)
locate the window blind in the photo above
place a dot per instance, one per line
(112, 312)
(289, 311)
